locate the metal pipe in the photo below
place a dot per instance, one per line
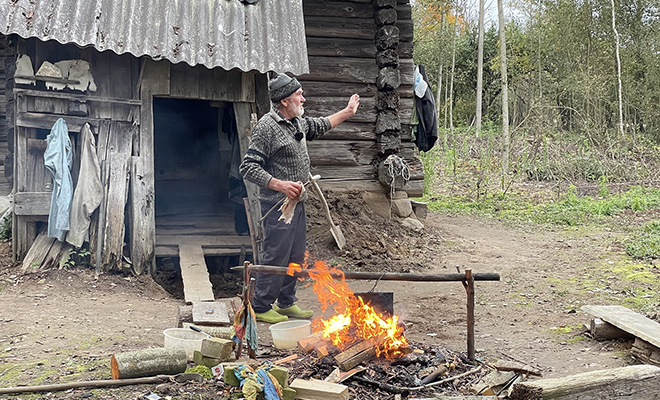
(383, 276)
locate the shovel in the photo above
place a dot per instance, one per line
(334, 229)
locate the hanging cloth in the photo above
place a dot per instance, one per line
(58, 159)
(89, 190)
(426, 133)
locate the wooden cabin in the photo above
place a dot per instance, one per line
(172, 104)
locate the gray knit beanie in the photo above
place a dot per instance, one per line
(282, 86)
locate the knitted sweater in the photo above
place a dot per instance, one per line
(274, 152)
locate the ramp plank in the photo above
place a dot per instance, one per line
(195, 275)
(629, 321)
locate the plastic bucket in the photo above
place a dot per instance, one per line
(184, 339)
(287, 334)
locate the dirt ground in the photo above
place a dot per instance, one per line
(63, 325)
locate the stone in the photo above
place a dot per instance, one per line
(378, 203)
(229, 378)
(398, 194)
(412, 223)
(288, 394)
(217, 348)
(402, 208)
(203, 360)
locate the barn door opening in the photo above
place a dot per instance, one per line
(198, 189)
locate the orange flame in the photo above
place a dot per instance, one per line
(353, 320)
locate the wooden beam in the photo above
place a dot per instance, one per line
(628, 320)
(635, 381)
(355, 355)
(319, 390)
(218, 241)
(32, 203)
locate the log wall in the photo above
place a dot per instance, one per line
(5, 57)
(347, 55)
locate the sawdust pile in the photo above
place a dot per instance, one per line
(373, 243)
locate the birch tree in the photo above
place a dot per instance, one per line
(480, 68)
(505, 90)
(618, 69)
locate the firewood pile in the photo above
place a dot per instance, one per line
(423, 371)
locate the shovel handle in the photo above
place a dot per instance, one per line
(317, 188)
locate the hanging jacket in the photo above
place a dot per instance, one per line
(58, 159)
(426, 133)
(89, 190)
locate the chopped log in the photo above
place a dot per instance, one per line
(387, 37)
(184, 314)
(387, 58)
(385, 16)
(602, 330)
(503, 365)
(386, 143)
(322, 352)
(387, 101)
(387, 121)
(389, 78)
(223, 332)
(309, 344)
(646, 352)
(384, 4)
(319, 390)
(148, 362)
(636, 381)
(355, 355)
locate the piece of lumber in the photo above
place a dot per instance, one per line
(602, 330)
(195, 275)
(355, 355)
(632, 382)
(339, 376)
(37, 253)
(310, 343)
(503, 365)
(210, 313)
(433, 376)
(319, 390)
(286, 359)
(86, 384)
(322, 352)
(646, 352)
(629, 321)
(148, 362)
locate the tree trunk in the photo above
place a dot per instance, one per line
(618, 70)
(505, 91)
(480, 68)
(453, 74)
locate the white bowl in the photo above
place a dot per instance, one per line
(287, 334)
(185, 339)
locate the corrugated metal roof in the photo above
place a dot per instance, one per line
(266, 36)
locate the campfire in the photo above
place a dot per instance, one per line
(354, 320)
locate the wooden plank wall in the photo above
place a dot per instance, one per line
(342, 52)
(5, 185)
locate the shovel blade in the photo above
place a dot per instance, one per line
(339, 236)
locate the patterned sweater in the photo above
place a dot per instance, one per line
(275, 152)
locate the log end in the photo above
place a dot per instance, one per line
(114, 367)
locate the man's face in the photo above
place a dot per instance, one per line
(294, 104)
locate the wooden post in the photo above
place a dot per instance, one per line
(469, 288)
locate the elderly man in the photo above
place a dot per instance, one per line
(277, 161)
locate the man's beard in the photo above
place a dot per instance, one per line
(296, 111)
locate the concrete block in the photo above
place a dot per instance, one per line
(229, 378)
(203, 360)
(217, 348)
(281, 374)
(288, 394)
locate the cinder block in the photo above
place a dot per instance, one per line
(217, 348)
(281, 374)
(229, 378)
(203, 360)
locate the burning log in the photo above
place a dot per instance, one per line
(355, 355)
(309, 344)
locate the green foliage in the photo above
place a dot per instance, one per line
(76, 258)
(203, 370)
(5, 229)
(645, 244)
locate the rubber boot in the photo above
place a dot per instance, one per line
(271, 316)
(294, 312)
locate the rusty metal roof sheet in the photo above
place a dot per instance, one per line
(266, 36)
